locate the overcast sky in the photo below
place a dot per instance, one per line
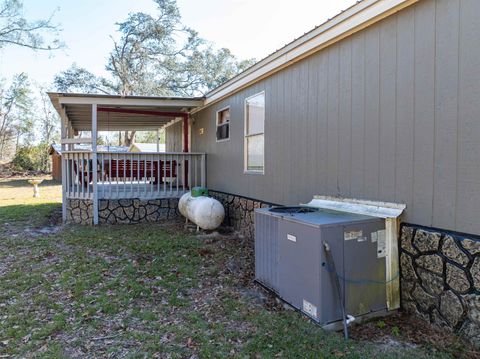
(249, 28)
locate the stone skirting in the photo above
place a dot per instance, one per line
(440, 278)
(80, 211)
(137, 211)
(239, 211)
(122, 211)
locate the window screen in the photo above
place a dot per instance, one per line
(254, 133)
(223, 124)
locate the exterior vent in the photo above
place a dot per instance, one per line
(266, 250)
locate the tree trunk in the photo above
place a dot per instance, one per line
(129, 138)
(17, 142)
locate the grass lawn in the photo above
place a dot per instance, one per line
(143, 291)
(18, 206)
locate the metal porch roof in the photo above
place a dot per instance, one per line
(78, 109)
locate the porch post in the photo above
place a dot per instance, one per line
(185, 148)
(203, 170)
(71, 134)
(185, 133)
(94, 163)
(64, 162)
(158, 141)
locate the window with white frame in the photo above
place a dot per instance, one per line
(223, 124)
(254, 133)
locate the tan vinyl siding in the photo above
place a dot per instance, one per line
(390, 113)
(174, 137)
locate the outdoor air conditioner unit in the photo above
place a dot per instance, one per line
(291, 261)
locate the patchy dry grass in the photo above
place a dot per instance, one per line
(18, 205)
(143, 291)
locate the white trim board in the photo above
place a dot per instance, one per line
(128, 101)
(358, 206)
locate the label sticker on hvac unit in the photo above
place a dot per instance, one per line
(351, 235)
(309, 308)
(381, 243)
(291, 237)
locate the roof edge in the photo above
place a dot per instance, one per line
(356, 18)
(60, 99)
(113, 96)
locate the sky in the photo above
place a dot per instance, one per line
(249, 28)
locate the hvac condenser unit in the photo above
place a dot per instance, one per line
(291, 261)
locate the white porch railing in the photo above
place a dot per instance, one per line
(131, 175)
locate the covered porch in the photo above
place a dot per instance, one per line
(95, 175)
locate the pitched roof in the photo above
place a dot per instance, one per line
(357, 17)
(148, 147)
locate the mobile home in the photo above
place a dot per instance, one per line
(380, 103)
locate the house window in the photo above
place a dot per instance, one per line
(223, 124)
(254, 133)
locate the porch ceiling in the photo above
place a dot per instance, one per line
(78, 109)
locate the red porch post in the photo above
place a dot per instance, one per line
(185, 133)
(185, 147)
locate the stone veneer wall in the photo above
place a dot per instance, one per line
(440, 278)
(239, 211)
(79, 211)
(124, 211)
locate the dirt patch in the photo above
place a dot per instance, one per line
(51, 226)
(55, 218)
(403, 330)
(41, 231)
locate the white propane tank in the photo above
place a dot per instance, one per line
(205, 212)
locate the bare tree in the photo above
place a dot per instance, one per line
(78, 79)
(16, 30)
(47, 121)
(156, 55)
(15, 113)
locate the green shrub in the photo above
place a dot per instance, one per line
(30, 158)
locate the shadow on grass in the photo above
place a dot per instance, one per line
(24, 183)
(31, 214)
